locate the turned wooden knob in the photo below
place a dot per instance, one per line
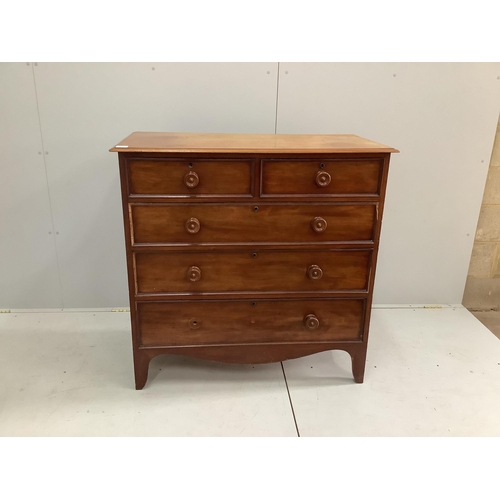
(314, 272)
(323, 178)
(311, 322)
(193, 274)
(191, 179)
(319, 224)
(192, 225)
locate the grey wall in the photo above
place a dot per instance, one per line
(61, 225)
(442, 117)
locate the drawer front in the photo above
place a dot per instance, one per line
(260, 321)
(198, 223)
(247, 271)
(321, 177)
(190, 177)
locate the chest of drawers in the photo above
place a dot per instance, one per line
(247, 248)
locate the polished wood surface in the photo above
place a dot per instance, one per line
(321, 178)
(171, 143)
(253, 223)
(242, 322)
(190, 177)
(248, 271)
(219, 227)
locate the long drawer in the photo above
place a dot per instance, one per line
(259, 223)
(247, 271)
(259, 321)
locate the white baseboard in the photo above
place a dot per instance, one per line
(417, 306)
(68, 310)
(127, 309)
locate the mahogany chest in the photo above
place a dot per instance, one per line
(246, 248)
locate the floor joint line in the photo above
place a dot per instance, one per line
(290, 399)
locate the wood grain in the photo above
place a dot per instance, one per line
(260, 271)
(300, 177)
(171, 143)
(218, 276)
(260, 222)
(239, 322)
(166, 177)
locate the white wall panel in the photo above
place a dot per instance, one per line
(443, 119)
(86, 108)
(28, 264)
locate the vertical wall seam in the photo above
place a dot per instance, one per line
(48, 187)
(277, 99)
(495, 257)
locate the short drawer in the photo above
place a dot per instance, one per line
(247, 271)
(152, 177)
(259, 321)
(321, 177)
(260, 223)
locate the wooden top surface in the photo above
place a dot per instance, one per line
(167, 142)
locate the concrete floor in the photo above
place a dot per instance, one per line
(430, 372)
(490, 319)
